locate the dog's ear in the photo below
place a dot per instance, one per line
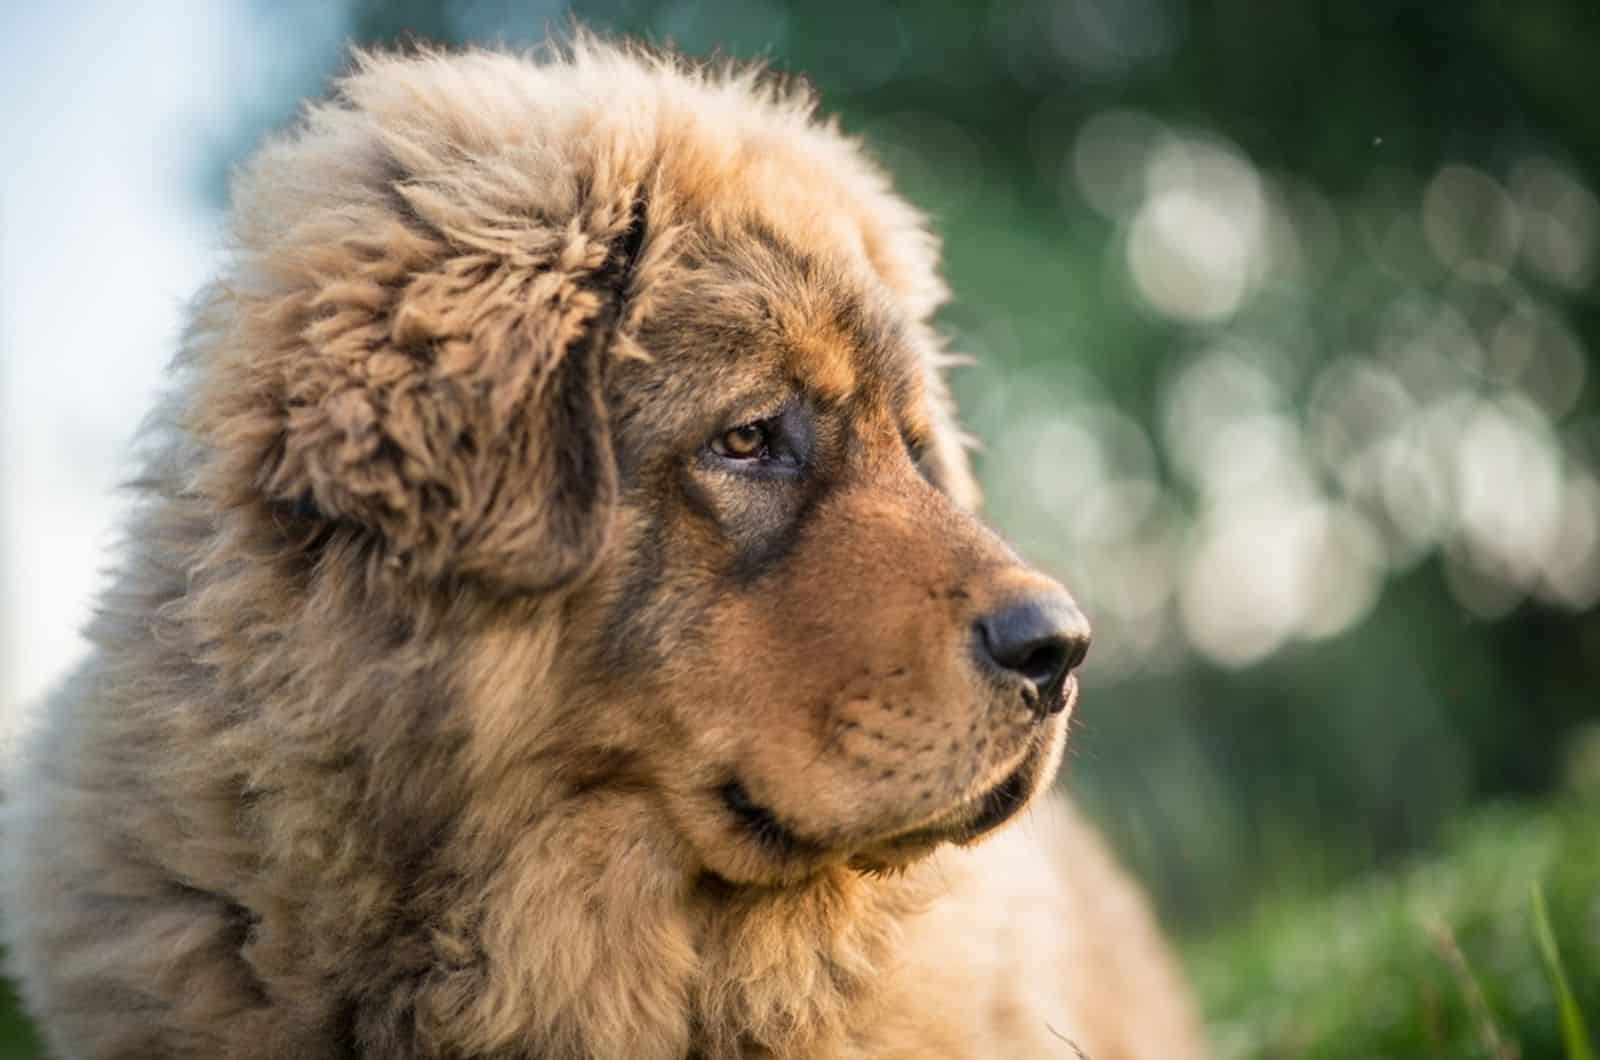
(443, 390)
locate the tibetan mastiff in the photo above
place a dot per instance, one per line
(554, 623)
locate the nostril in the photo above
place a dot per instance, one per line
(1044, 662)
(1040, 639)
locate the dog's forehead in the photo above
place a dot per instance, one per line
(837, 350)
(831, 326)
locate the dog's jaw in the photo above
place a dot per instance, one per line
(751, 843)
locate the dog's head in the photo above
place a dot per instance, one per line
(636, 362)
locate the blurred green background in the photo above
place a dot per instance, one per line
(1284, 327)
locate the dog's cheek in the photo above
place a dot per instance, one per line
(647, 603)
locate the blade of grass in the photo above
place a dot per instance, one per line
(1573, 1032)
(1494, 1044)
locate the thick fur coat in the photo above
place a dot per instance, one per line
(554, 625)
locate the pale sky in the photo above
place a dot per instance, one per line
(112, 113)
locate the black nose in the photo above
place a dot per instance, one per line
(1040, 640)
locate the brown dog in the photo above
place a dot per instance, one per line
(555, 625)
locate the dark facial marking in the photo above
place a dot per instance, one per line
(760, 822)
(635, 627)
(769, 551)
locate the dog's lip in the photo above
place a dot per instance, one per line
(964, 823)
(967, 822)
(777, 838)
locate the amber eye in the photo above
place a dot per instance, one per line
(741, 443)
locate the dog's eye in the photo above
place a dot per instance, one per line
(916, 449)
(746, 442)
(773, 447)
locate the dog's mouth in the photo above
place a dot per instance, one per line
(762, 825)
(966, 823)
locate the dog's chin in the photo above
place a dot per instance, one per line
(973, 819)
(754, 844)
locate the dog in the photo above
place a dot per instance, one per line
(554, 623)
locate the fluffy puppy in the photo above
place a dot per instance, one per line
(555, 623)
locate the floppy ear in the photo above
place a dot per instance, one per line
(444, 389)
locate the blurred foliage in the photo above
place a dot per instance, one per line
(1439, 960)
(17, 1038)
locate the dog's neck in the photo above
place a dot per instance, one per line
(794, 971)
(629, 952)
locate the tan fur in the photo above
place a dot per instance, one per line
(443, 650)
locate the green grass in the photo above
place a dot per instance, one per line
(1574, 1031)
(17, 1039)
(1488, 949)
(1445, 958)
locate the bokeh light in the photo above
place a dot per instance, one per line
(1280, 490)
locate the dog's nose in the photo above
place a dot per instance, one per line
(1040, 639)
